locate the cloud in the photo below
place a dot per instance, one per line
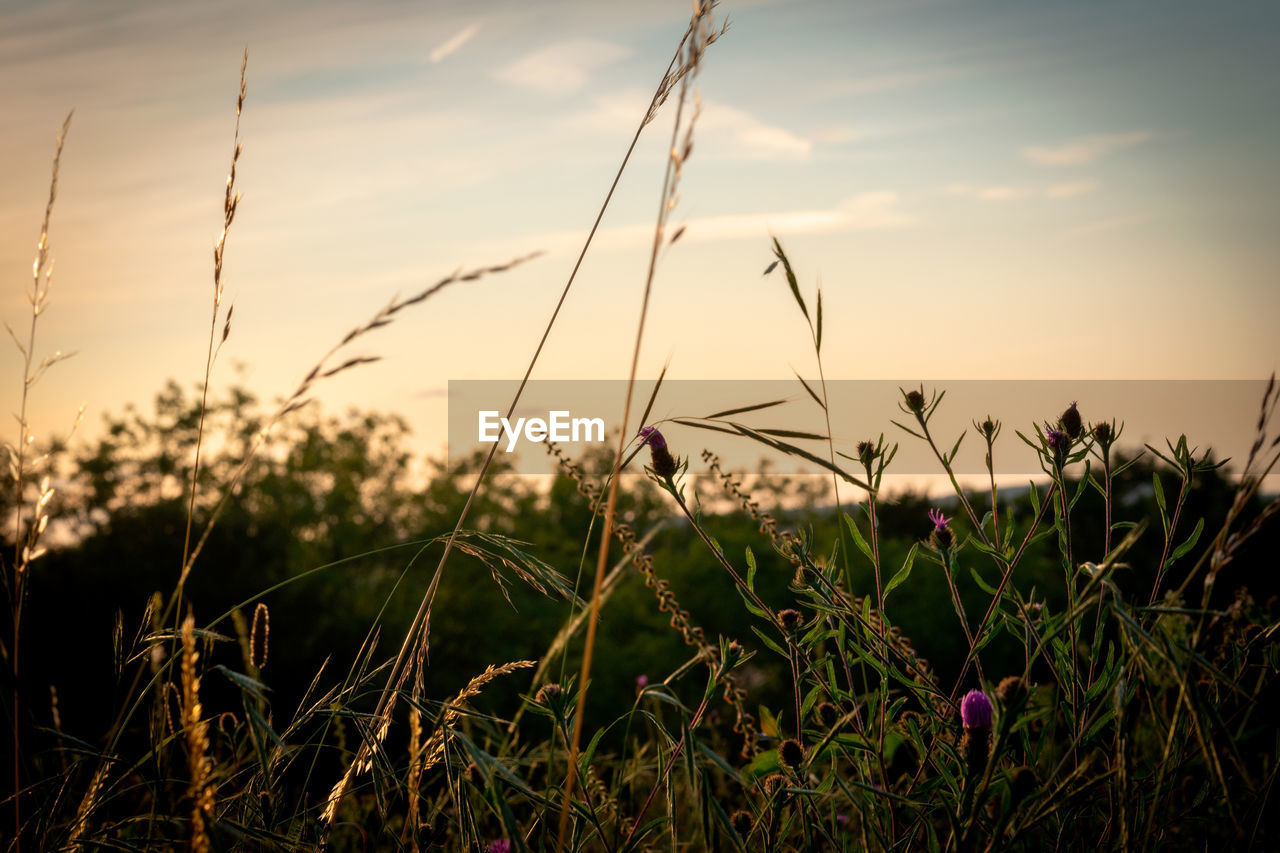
(1113, 223)
(749, 137)
(1005, 193)
(1085, 150)
(864, 212)
(561, 68)
(464, 35)
(723, 129)
(1001, 193)
(1071, 190)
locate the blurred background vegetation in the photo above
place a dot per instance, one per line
(340, 492)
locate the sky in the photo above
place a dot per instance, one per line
(984, 190)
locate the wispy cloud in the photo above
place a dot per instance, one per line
(726, 130)
(1074, 189)
(1099, 226)
(561, 68)
(864, 212)
(1085, 150)
(1006, 193)
(749, 137)
(455, 42)
(1001, 193)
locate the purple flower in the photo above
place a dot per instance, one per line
(641, 681)
(1058, 442)
(975, 710)
(502, 845)
(653, 438)
(941, 536)
(660, 458)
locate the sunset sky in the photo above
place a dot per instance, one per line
(985, 190)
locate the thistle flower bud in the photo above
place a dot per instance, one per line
(660, 458)
(791, 754)
(867, 452)
(988, 428)
(1011, 690)
(975, 715)
(941, 536)
(1071, 422)
(1023, 783)
(473, 775)
(773, 784)
(1059, 443)
(741, 823)
(790, 619)
(828, 713)
(976, 710)
(915, 401)
(554, 698)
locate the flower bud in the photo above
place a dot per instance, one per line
(975, 715)
(791, 754)
(660, 458)
(941, 536)
(866, 453)
(1071, 422)
(1011, 690)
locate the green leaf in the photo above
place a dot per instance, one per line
(1186, 546)
(983, 585)
(857, 538)
(249, 685)
(903, 573)
(770, 643)
(1155, 482)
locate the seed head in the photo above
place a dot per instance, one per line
(790, 619)
(791, 754)
(741, 823)
(828, 713)
(773, 784)
(1010, 690)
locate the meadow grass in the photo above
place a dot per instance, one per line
(1136, 720)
